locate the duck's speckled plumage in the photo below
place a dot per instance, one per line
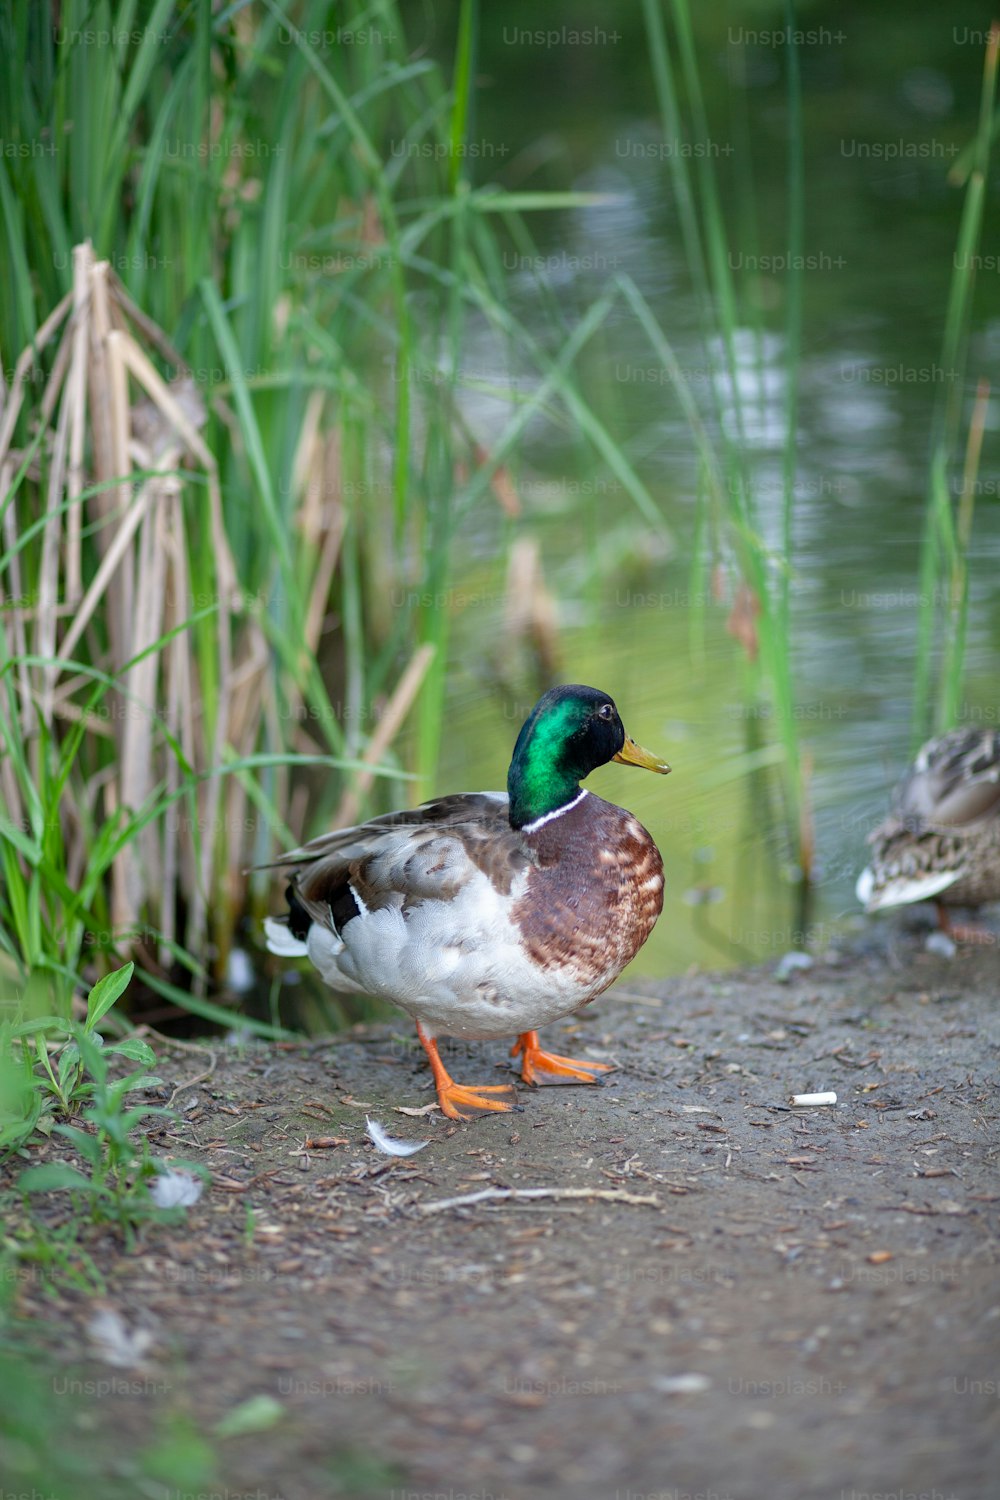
(593, 928)
(483, 916)
(470, 926)
(942, 838)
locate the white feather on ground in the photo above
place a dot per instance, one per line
(114, 1342)
(388, 1143)
(175, 1190)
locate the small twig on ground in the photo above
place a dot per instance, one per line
(173, 1041)
(189, 1083)
(613, 1195)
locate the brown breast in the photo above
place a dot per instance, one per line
(594, 895)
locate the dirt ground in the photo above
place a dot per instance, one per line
(743, 1300)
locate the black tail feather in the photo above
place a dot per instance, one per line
(340, 902)
(299, 920)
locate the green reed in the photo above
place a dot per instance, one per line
(730, 524)
(953, 464)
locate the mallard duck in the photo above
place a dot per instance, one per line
(942, 840)
(489, 914)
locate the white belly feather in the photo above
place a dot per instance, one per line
(456, 966)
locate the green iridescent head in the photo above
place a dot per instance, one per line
(569, 733)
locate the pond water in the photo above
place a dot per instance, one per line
(886, 109)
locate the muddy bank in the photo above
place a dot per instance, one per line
(736, 1299)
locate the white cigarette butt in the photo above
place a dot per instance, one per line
(814, 1098)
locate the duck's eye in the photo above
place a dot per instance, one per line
(606, 711)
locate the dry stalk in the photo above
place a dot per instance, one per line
(114, 442)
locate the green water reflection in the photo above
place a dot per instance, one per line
(728, 893)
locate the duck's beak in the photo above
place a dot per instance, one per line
(632, 754)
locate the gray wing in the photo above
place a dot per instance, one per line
(953, 783)
(427, 853)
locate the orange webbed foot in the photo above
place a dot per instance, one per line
(534, 1060)
(461, 1103)
(456, 1100)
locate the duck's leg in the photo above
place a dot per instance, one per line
(534, 1060)
(962, 932)
(457, 1101)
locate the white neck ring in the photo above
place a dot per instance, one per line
(557, 812)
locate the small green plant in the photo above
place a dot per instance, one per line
(35, 1458)
(60, 1084)
(180, 1456)
(57, 1254)
(20, 1091)
(42, 1070)
(60, 1073)
(114, 1186)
